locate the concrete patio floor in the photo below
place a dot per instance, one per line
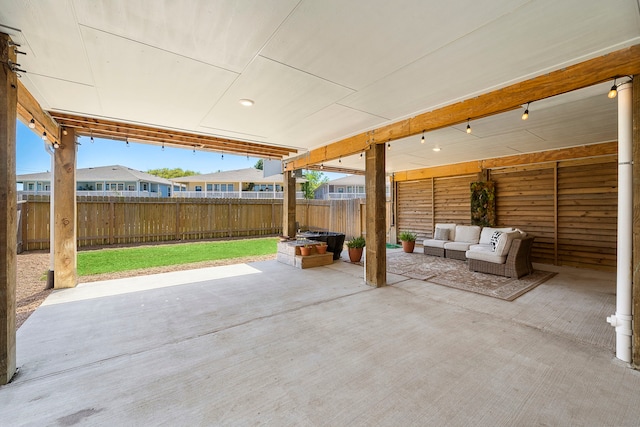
(267, 344)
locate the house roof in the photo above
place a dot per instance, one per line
(348, 180)
(238, 175)
(100, 173)
(324, 71)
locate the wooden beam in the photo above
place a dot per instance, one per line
(476, 166)
(588, 73)
(110, 129)
(8, 212)
(28, 108)
(64, 223)
(376, 204)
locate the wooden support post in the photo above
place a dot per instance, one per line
(8, 211)
(376, 248)
(635, 325)
(289, 205)
(65, 223)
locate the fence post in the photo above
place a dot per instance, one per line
(177, 220)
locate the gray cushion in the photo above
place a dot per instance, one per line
(450, 227)
(432, 243)
(467, 233)
(486, 256)
(487, 232)
(457, 246)
(441, 234)
(504, 242)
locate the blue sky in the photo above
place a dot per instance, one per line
(31, 156)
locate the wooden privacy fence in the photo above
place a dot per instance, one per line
(106, 221)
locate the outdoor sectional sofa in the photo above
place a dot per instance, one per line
(504, 251)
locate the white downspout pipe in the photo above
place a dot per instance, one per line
(49, 149)
(622, 319)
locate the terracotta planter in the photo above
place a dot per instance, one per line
(305, 251)
(408, 246)
(355, 254)
(322, 249)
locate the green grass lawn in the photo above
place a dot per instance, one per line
(113, 260)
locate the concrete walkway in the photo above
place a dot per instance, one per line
(267, 344)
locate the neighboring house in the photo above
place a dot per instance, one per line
(113, 180)
(246, 183)
(348, 187)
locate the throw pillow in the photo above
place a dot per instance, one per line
(441, 234)
(494, 239)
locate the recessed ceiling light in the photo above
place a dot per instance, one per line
(246, 102)
(436, 148)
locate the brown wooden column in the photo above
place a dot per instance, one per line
(64, 199)
(635, 325)
(376, 248)
(8, 212)
(289, 205)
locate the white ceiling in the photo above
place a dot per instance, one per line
(322, 70)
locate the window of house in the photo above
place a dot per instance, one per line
(47, 187)
(349, 189)
(99, 186)
(209, 187)
(216, 187)
(120, 186)
(229, 187)
(223, 187)
(361, 189)
(145, 186)
(340, 189)
(131, 187)
(112, 186)
(30, 186)
(198, 187)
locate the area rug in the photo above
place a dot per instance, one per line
(456, 274)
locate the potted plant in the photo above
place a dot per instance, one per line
(355, 247)
(305, 250)
(321, 248)
(408, 240)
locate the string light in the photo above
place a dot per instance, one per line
(614, 90)
(468, 126)
(163, 146)
(389, 145)
(422, 140)
(340, 160)
(32, 123)
(56, 145)
(361, 154)
(321, 166)
(525, 115)
(44, 136)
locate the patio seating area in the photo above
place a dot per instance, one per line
(267, 343)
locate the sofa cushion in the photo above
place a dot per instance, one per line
(450, 227)
(432, 243)
(481, 247)
(504, 242)
(457, 246)
(489, 256)
(487, 232)
(467, 233)
(441, 234)
(494, 239)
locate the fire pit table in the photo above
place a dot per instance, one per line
(334, 241)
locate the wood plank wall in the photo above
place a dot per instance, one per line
(525, 200)
(569, 206)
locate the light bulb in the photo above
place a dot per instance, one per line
(44, 136)
(32, 124)
(525, 115)
(613, 92)
(468, 128)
